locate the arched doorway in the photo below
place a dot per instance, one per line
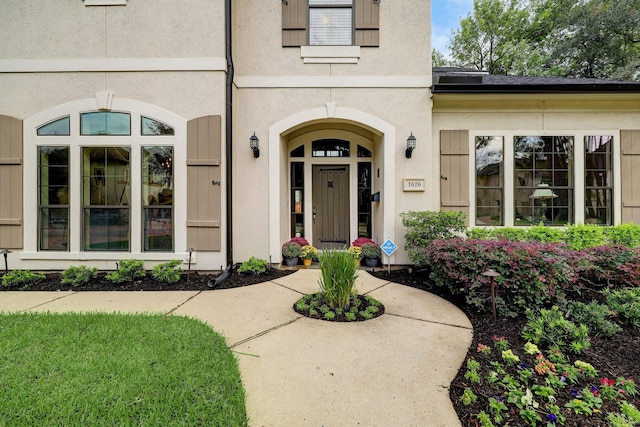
(330, 184)
(329, 119)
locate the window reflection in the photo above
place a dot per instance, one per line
(154, 127)
(330, 148)
(489, 169)
(598, 179)
(106, 196)
(543, 180)
(157, 197)
(53, 198)
(57, 127)
(105, 123)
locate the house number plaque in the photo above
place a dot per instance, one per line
(414, 184)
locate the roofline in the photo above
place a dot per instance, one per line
(471, 89)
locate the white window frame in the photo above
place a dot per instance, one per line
(329, 5)
(578, 170)
(75, 142)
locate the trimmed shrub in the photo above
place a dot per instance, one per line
(427, 226)
(23, 278)
(129, 270)
(253, 265)
(168, 272)
(624, 234)
(531, 274)
(610, 265)
(582, 236)
(78, 276)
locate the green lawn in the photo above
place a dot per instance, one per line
(116, 370)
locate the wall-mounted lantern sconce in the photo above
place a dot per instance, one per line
(411, 145)
(254, 143)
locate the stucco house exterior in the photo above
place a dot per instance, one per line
(133, 129)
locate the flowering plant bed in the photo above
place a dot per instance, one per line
(507, 380)
(359, 308)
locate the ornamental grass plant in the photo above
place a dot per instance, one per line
(338, 277)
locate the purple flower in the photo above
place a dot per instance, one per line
(574, 393)
(552, 418)
(523, 366)
(563, 379)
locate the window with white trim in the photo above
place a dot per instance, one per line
(124, 181)
(548, 180)
(330, 22)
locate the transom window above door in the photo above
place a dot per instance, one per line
(330, 148)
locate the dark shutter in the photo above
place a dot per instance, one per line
(454, 171)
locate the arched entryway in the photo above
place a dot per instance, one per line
(324, 166)
(331, 183)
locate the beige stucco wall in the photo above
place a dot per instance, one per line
(273, 84)
(69, 29)
(167, 54)
(579, 115)
(405, 43)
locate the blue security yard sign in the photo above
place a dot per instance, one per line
(388, 247)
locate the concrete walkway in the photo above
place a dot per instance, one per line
(394, 370)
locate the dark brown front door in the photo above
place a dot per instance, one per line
(330, 206)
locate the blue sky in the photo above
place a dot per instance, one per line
(446, 15)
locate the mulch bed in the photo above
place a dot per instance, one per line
(615, 356)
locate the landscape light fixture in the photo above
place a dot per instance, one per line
(411, 145)
(190, 251)
(5, 252)
(254, 144)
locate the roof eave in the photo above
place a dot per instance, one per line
(533, 88)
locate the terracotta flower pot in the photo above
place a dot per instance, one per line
(307, 262)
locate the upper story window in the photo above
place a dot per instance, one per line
(330, 22)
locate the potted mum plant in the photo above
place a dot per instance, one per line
(371, 254)
(308, 253)
(356, 252)
(291, 252)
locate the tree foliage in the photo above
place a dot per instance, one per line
(565, 38)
